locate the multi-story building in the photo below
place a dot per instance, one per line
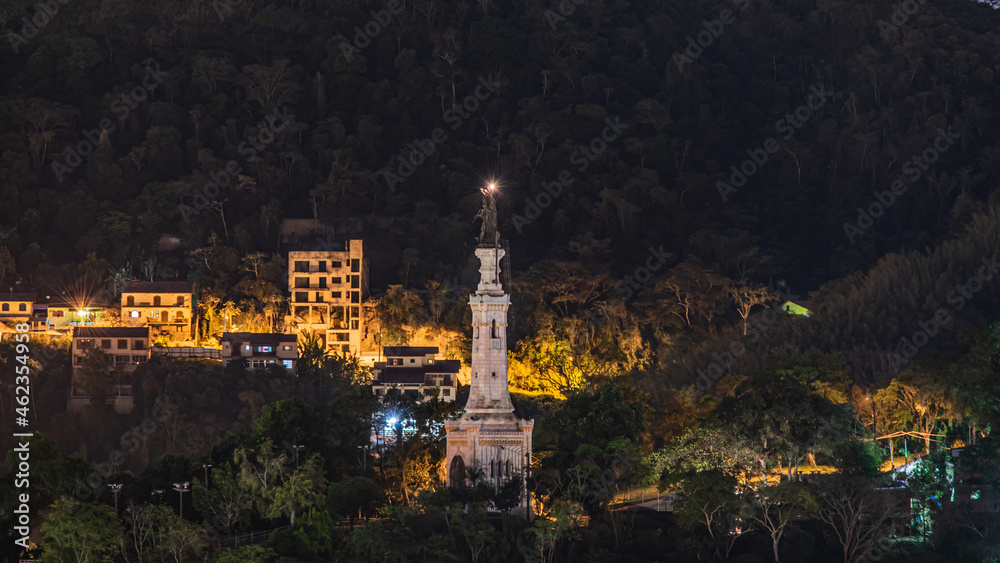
(416, 371)
(260, 349)
(165, 307)
(16, 307)
(128, 347)
(326, 289)
(63, 315)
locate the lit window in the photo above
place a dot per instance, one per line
(265, 349)
(287, 348)
(134, 314)
(288, 364)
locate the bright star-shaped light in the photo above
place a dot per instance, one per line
(392, 421)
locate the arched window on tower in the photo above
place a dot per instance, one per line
(493, 332)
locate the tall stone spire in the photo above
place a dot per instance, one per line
(489, 393)
(489, 437)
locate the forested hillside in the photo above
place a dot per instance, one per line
(309, 114)
(669, 174)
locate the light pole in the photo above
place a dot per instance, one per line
(115, 488)
(296, 450)
(182, 488)
(205, 466)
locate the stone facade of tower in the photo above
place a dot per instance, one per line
(488, 437)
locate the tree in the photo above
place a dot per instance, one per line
(712, 499)
(597, 436)
(303, 488)
(399, 307)
(691, 297)
(6, 263)
(559, 522)
(747, 297)
(74, 531)
(920, 404)
(859, 515)
(99, 375)
(781, 414)
(355, 497)
(473, 528)
(226, 503)
(777, 505)
(260, 471)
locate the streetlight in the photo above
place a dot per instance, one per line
(182, 488)
(205, 467)
(296, 450)
(115, 488)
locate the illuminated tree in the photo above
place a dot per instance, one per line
(747, 297)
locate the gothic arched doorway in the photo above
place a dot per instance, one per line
(456, 472)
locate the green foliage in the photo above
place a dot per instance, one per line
(399, 307)
(354, 497)
(75, 531)
(931, 485)
(596, 450)
(302, 488)
(782, 416)
(854, 457)
(713, 500)
(225, 504)
(245, 554)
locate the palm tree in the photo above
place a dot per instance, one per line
(303, 488)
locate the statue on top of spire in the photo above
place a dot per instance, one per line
(488, 235)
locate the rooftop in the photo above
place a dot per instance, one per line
(262, 337)
(412, 376)
(439, 366)
(8, 296)
(110, 332)
(408, 351)
(158, 287)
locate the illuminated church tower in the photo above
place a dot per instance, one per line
(488, 437)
